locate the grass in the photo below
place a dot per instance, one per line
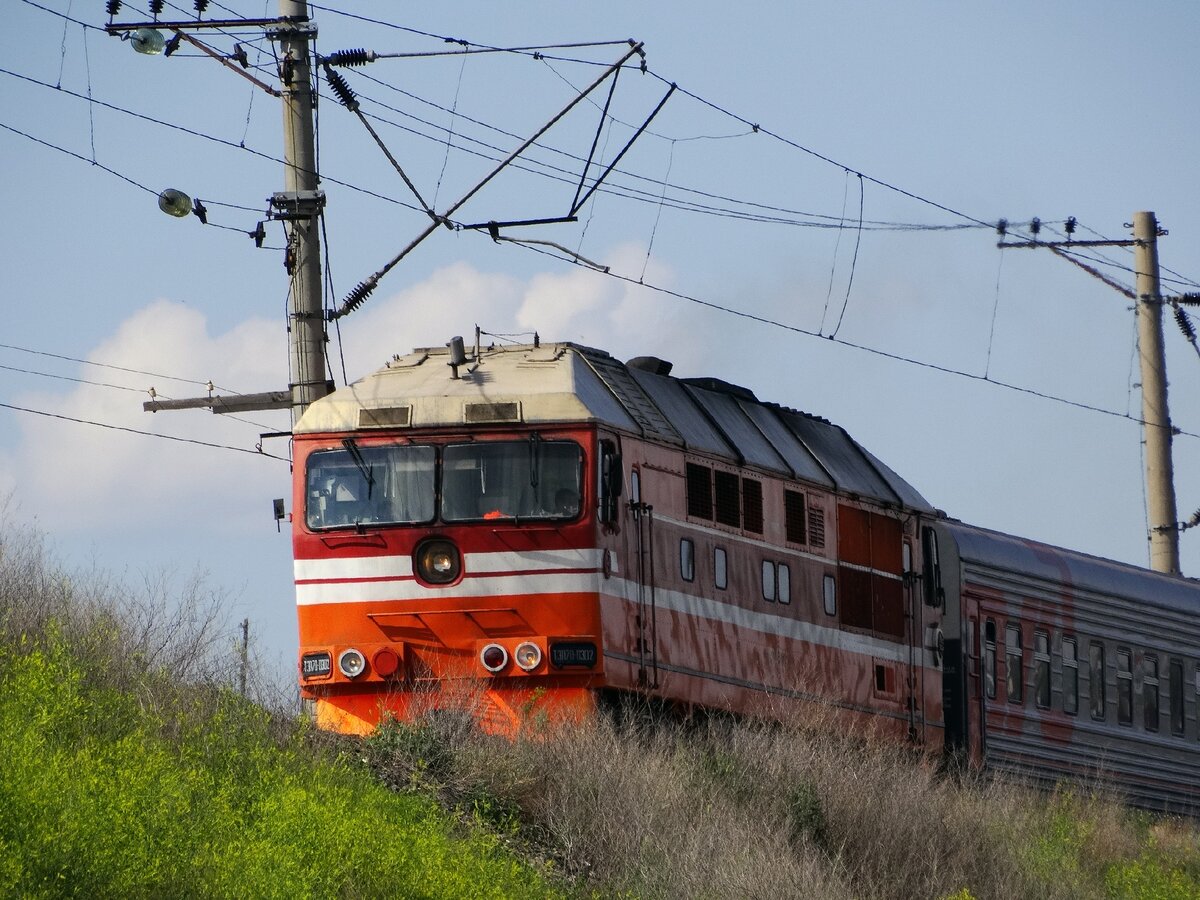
(132, 768)
(714, 808)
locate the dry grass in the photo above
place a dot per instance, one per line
(631, 805)
(714, 808)
(141, 639)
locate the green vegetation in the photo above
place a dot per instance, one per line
(119, 780)
(130, 768)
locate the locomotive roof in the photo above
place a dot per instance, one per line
(560, 383)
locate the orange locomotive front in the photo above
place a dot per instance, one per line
(447, 569)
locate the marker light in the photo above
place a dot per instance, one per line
(493, 657)
(528, 655)
(351, 663)
(386, 662)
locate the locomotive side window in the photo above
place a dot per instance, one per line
(830, 591)
(720, 568)
(522, 480)
(1124, 686)
(1013, 658)
(1150, 692)
(1041, 669)
(1175, 686)
(989, 659)
(1070, 676)
(783, 577)
(389, 484)
(611, 481)
(687, 559)
(768, 580)
(1096, 680)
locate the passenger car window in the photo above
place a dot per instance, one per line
(1150, 692)
(1124, 686)
(1013, 659)
(1070, 674)
(989, 658)
(1096, 680)
(1041, 669)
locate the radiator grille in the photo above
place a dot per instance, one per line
(477, 413)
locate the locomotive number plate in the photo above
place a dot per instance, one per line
(573, 653)
(316, 665)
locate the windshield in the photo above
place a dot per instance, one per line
(532, 479)
(396, 484)
(371, 485)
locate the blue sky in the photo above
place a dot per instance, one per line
(986, 110)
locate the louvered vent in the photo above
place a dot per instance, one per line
(816, 526)
(385, 417)
(479, 413)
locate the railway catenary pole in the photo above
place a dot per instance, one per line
(1160, 490)
(300, 206)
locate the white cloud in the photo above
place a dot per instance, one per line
(573, 304)
(105, 476)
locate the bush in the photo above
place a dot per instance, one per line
(132, 769)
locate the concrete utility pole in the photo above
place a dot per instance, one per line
(1160, 478)
(300, 207)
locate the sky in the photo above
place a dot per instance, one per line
(1001, 383)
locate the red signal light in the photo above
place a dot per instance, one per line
(386, 662)
(493, 657)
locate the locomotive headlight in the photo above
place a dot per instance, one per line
(351, 663)
(438, 562)
(528, 655)
(493, 657)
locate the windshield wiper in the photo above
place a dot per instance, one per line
(368, 472)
